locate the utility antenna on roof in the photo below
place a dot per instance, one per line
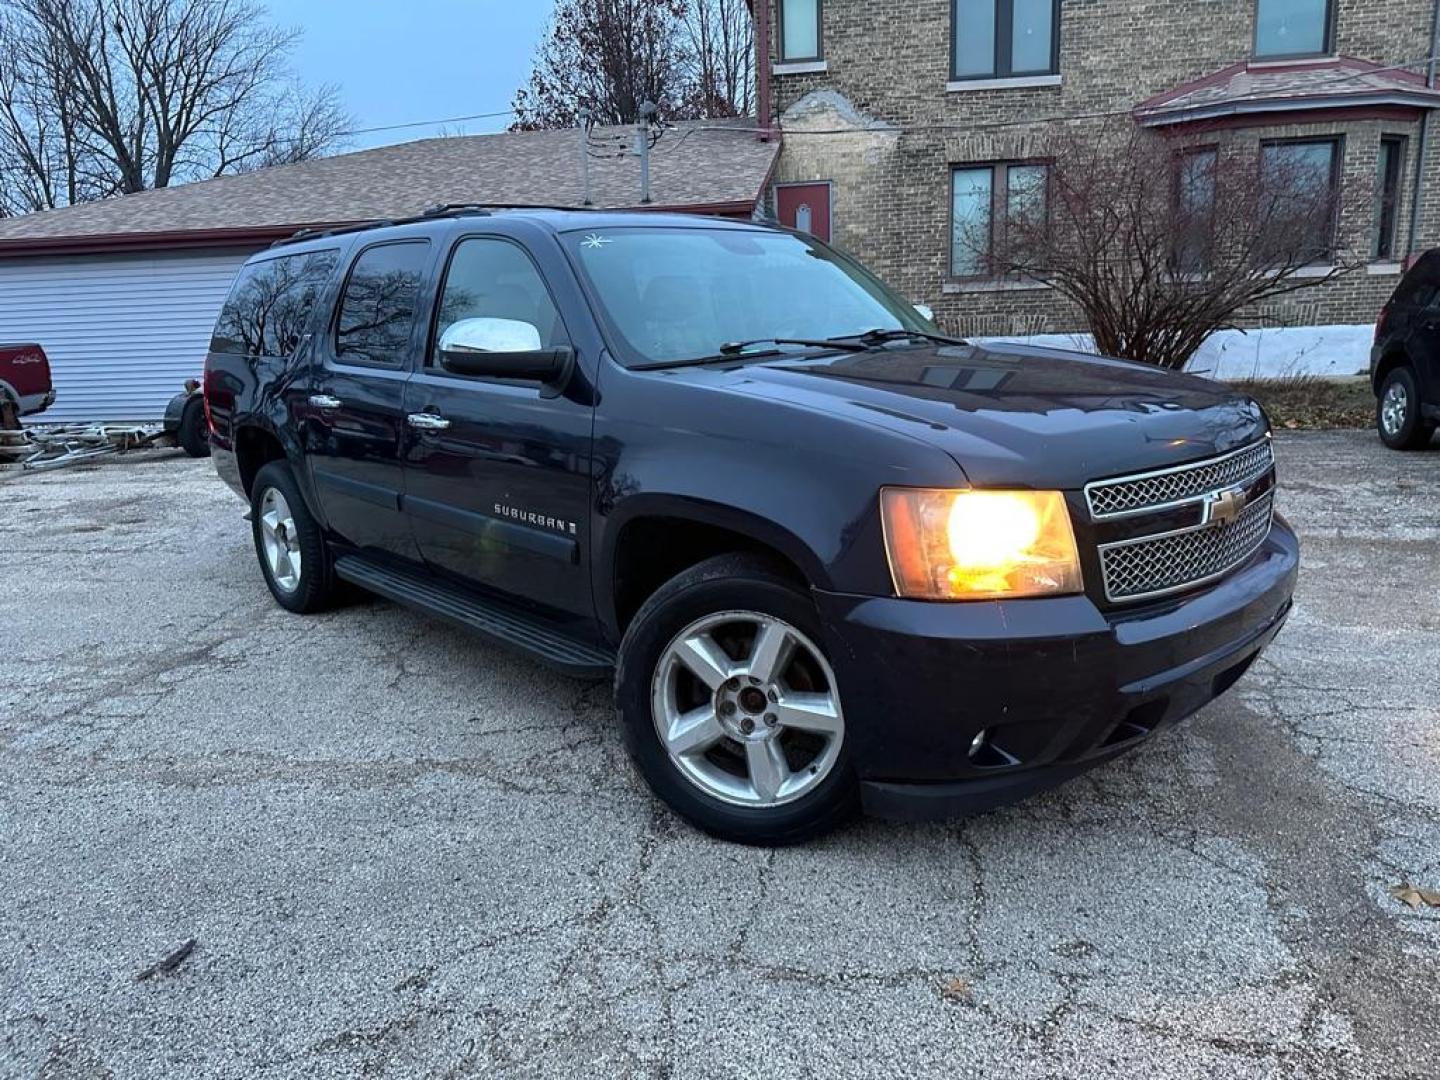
(586, 118)
(647, 113)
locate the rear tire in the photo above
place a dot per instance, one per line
(1397, 412)
(753, 750)
(9, 415)
(194, 433)
(288, 542)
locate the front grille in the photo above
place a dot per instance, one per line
(1166, 563)
(1184, 483)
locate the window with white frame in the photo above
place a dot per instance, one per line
(991, 206)
(1301, 184)
(1000, 39)
(1195, 177)
(1286, 29)
(800, 31)
(1387, 196)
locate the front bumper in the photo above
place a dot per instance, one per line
(1058, 685)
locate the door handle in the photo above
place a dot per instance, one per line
(422, 421)
(325, 401)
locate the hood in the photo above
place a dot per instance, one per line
(1020, 415)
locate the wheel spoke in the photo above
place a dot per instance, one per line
(771, 652)
(284, 570)
(269, 522)
(702, 656)
(768, 768)
(808, 712)
(694, 731)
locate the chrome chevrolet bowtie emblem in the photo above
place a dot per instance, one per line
(1224, 507)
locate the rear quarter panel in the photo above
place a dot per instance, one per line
(25, 369)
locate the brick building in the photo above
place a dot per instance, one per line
(904, 119)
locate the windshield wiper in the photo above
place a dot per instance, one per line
(736, 350)
(874, 338)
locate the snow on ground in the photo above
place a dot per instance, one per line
(1272, 353)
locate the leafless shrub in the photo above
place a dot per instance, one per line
(1161, 243)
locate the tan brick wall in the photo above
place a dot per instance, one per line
(888, 66)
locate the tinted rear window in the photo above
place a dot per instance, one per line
(1420, 285)
(378, 307)
(270, 304)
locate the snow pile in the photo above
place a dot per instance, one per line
(1273, 353)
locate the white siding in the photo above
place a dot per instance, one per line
(123, 333)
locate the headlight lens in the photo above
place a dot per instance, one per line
(979, 545)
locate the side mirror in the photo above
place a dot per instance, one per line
(926, 312)
(501, 349)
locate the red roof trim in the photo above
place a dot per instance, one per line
(1394, 113)
(262, 236)
(189, 239)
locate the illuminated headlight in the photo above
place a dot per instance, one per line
(979, 545)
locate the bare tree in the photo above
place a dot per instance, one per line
(720, 57)
(605, 58)
(103, 97)
(1161, 244)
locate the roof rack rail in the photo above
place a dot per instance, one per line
(441, 211)
(460, 209)
(339, 230)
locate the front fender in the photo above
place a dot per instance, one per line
(701, 511)
(801, 482)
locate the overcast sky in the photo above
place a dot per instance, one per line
(406, 60)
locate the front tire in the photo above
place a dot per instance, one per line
(288, 542)
(730, 708)
(1397, 412)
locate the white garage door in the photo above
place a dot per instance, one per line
(123, 333)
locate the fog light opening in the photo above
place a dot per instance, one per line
(985, 754)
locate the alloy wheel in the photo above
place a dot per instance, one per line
(748, 709)
(1393, 408)
(280, 541)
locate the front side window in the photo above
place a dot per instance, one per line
(495, 279)
(799, 30)
(1387, 196)
(993, 207)
(1288, 28)
(1301, 183)
(270, 304)
(675, 294)
(378, 307)
(1005, 38)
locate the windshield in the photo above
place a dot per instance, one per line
(678, 294)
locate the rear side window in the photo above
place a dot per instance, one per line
(270, 304)
(378, 307)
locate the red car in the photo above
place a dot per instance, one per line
(24, 383)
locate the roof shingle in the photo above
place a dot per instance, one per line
(1343, 82)
(701, 164)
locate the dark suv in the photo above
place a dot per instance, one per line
(1405, 363)
(831, 558)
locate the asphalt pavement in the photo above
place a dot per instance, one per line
(400, 852)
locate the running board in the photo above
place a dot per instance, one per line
(500, 624)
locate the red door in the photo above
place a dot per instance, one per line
(805, 207)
